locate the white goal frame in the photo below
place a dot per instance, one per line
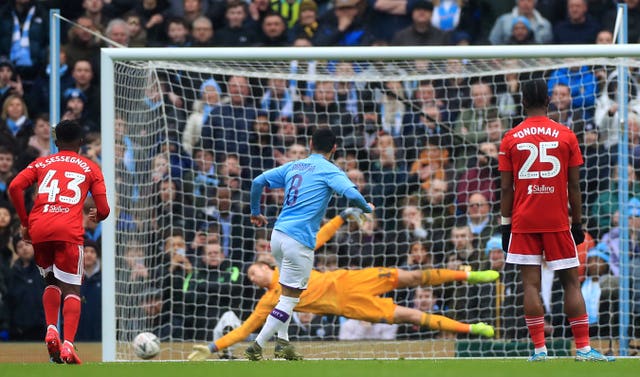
(110, 55)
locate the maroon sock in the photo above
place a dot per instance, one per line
(71, 315)
(580, 330)
(51, 301)
(536, 330)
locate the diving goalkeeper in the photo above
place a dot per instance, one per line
(353, 294)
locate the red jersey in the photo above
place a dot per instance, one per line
(539, 152)
(63, 181)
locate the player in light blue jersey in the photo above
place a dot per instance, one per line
(309, 185)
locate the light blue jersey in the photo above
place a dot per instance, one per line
(309, 185)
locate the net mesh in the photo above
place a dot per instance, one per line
(418, 138)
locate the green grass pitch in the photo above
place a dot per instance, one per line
(330, 368)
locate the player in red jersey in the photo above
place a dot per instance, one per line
(54, 226)
(539, 161)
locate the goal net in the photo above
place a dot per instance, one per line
(419, 138)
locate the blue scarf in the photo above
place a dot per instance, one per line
(284, 106)
(15, 125)
(20, 52)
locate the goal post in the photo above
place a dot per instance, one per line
(129, 75)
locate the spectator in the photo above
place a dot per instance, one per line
(600, 291)
(236, 32)
(10, 83)
(606, 109)
(362, 245)
(261, 146)
(24, 29)
(83, 75)
(471, 122)
(205, 179)
(75, 105)
(602, 211)
(234, 229)
(137, 33)
(307, 24)
(277, 100)
(151, 16)
(15, 125)
(595, 173)
(410, 229)
(258, 9)
(7, 230)
(579, 27)
(230, 123)
(210, 98)
(7, 171)
(192, 10)
(217, 285)
(504, 24)
(433, 163)
(494, 127)
(345, 26)
(178, 33)
(118, 31)
(480, 219)
(482, 177)
(274, 31)
(90, 326)
(201, 32)
(611, 242)
(390, 175)
(505, 296)
(453, 90)
(96, 12)
(439, 216)
(421, 32)
(561, 110)
(581, 81)
(521, 32)
(463, 255)
(81, 44)
(41, 139)
(175, 270)
(386, 17)
(24, 297)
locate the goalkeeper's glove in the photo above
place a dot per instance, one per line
(353, 213)
(577, 233)
(200, 352)
(505, 229)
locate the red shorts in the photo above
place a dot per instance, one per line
(559, 249)
(65, 259)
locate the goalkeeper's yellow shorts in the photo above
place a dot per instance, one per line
(359, 294)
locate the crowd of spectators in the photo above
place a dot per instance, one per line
(425, 152)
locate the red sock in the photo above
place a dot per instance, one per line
(51, 302)
(71, 315)
(536, 330)
(580, 330)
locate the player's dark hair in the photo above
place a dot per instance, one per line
(68, 131)
(323, 140)
(534, 94)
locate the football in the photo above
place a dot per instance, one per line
(146, 345)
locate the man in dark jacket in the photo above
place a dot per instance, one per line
(421, 32)
(26, 287)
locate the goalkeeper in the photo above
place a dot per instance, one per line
(353, 294)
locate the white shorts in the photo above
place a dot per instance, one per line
(294, 260)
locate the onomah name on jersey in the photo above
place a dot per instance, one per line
(70, 159)
(536, 131)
